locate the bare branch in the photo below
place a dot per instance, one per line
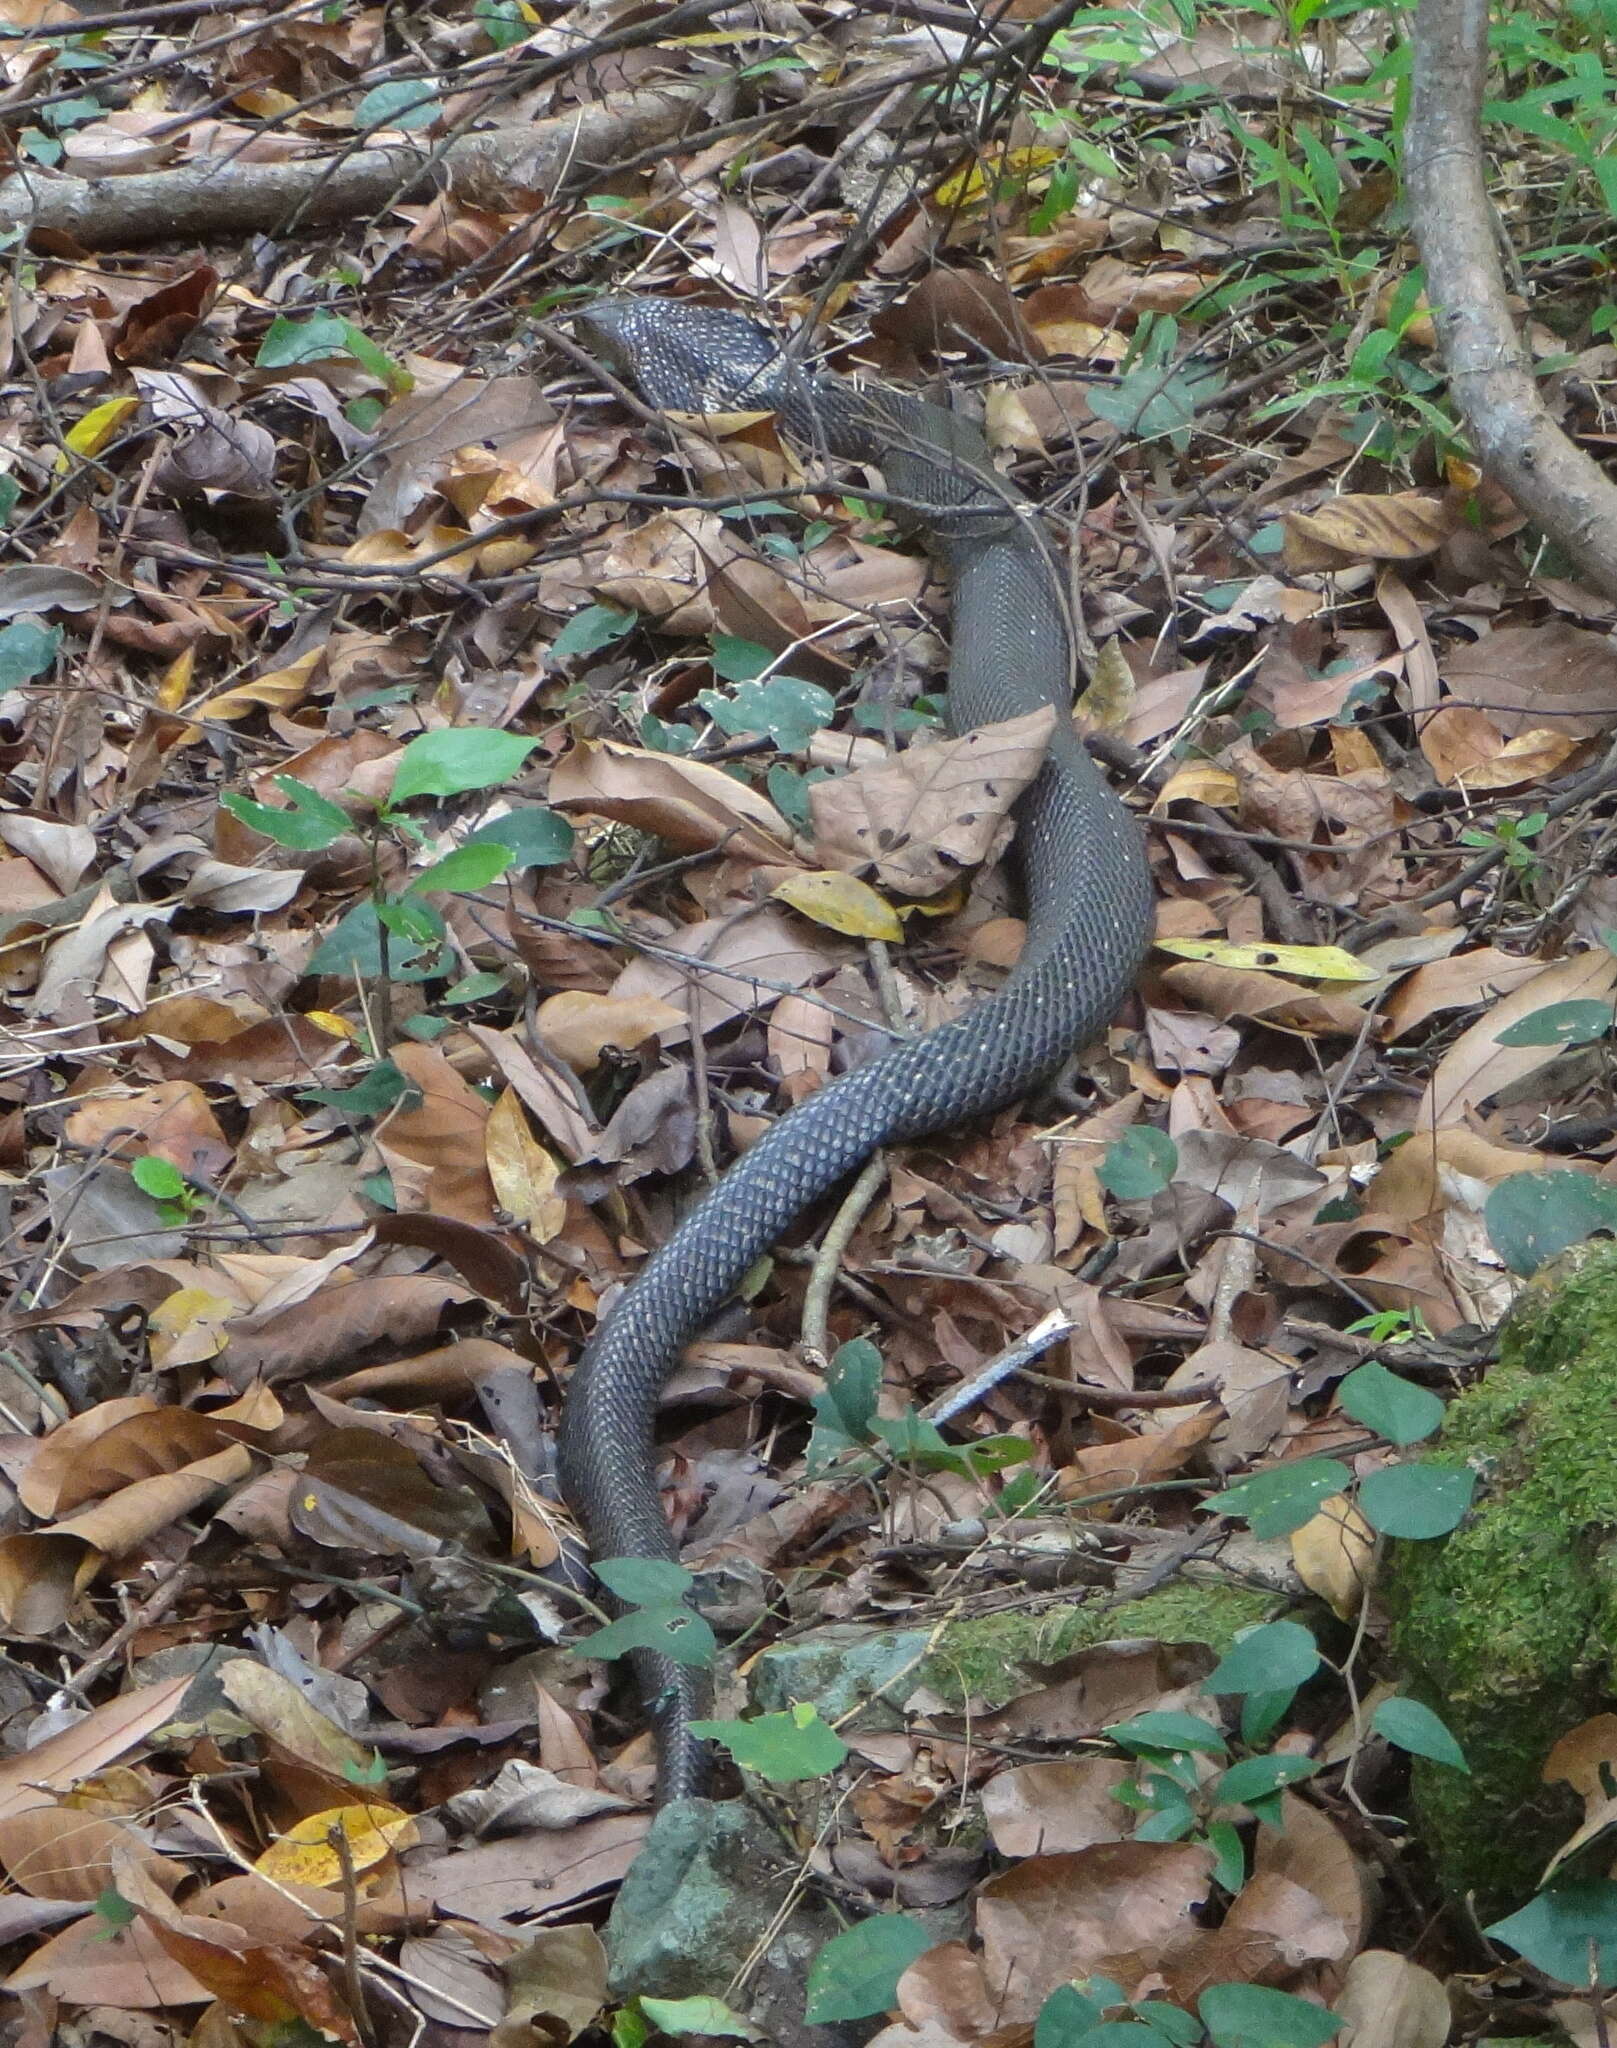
(1490, 371)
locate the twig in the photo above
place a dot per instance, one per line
(816, 1340)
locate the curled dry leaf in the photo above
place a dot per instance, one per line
(737, 966)
(108, 1732)
(1361, 527)
(1332, 1553)
(1466, 748)
(578, 1026)
(933, 810)
(1386, 2001)
(1476, 1066)
(522, 1172)
(691, 805)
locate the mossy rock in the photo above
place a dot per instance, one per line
(989, 1659)
(1508, 1627)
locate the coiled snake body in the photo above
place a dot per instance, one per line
(1089, 912)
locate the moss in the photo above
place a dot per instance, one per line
(992, 1658)
(1508, 1627)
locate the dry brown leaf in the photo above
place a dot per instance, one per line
(126, 1968)
(1043, 1809)
(1226, 992)
(1556, 674)
(1332, 1553)
(578, 1026)
(64, 1760)
(55, 1851)
(557, 1106)
(1476, 1066)
(693, 806)
(522, 1172)
(338, 1322)
(444, 1133)
(277, 1709)
(1362, 527)
(1386, 2001)
(934, 810)
(136, 1440)
(1054, 1918)
(800, 1035)
(1431, 1168)
(1482, 975)
(728, 955)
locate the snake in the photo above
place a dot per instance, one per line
(1088, 917)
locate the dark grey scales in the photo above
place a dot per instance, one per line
(1089, 917)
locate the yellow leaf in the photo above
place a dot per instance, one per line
(967, 186)
(1308, 963)
(188, 1327)
(842, 903)
(95, 430)
(175, 684)
(334, 1026)
(278, 691)
(305, 1854)
(1201, 782)
(1332, 1551)
(1106, 704)
(523, 1172)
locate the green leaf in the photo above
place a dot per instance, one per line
(1256, 1777)
(502, 21)
(382, 1086)
(315, 339)
(789, 711)
(26, 651)
(1140, 1164)
(1532, 1216)
(1282, 1499)
(159, 1178)
(112, 1909)
(458, 758)
(1229, 1856)
(1555, 1931)
(464, 869)
(1251, 2016)
(700, 2014)
(353, 947)
(1417, 1500)
(844, 1411)
(781, 1747)
(1172, 2021)
(399, 103)
(1402, 1413)
(1572, 1023)
(308, 823)
(1066, 2018)
(1167, 1731)
(474, 988)
(670, 1628)
(1262, 1659)
(1263, 1712)
(1409, 1725)
(533, 836)
(588, 631)
(644, 1581)
(736, 660)
(856, 1974)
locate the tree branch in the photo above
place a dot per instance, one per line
(1490, 372)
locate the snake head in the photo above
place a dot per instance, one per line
(682, 357)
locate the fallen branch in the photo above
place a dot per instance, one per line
(1490, 372)
(217, 196)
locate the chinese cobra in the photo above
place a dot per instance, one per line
(1088, 904)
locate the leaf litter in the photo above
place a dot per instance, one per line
(425, 863)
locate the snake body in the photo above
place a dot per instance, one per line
(1089, 916)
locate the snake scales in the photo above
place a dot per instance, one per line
(1089, 910)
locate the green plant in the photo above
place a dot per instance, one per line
(402, 937)
(178, 1198)
(1511, 839)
